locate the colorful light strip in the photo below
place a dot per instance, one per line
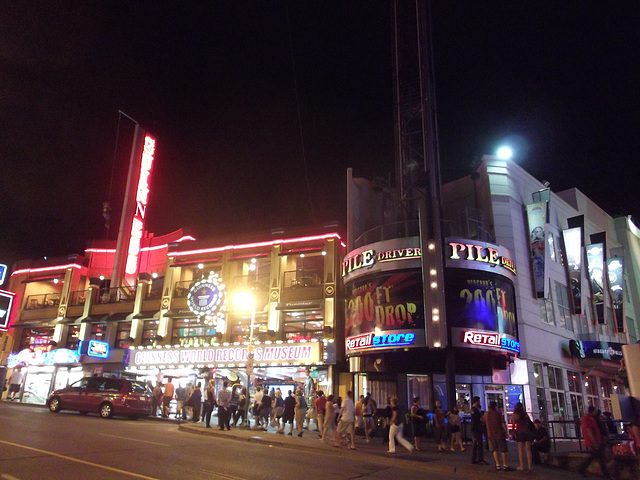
(46, 269)
(143, 249)
(271, 243)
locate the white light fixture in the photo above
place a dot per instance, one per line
(200, 266)
(504, 153)
(56, 280)
(302, 255)
(101, 277)
(154, 275)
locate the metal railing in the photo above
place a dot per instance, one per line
(43, 300)
(302, 278)
(570, 430)
(117, 294)
(78, 298)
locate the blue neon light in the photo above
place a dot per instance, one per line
(393, 340)
(511, 345)
(98, 349)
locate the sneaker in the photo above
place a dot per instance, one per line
(290, 433)
(300, 434)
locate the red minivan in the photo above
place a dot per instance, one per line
(106, 396)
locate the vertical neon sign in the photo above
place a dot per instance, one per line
(142, 197)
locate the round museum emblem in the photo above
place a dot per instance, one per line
(206, 298)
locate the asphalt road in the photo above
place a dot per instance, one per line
(36, 444)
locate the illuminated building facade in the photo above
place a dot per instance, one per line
(528, 315)
(69, 322)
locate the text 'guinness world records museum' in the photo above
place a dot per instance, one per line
(386, 337)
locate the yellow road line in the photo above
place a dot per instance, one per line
(77, 460)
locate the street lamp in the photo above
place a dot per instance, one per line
(243, 301)
(504, 153)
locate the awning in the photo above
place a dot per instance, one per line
(118, 316)
(36, 323)
(95, 319)
(147, 314)
(300, 305)
(69, 319)
(182, 312)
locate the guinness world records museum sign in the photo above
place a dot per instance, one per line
(384, 302)
(480, 296)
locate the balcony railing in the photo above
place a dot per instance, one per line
(409, 228)
(43, 300)
(78, 298)
(118, 294)
(181, 289)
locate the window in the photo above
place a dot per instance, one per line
(304, 271)
(33, 338)
(539, 383)
(591, 386)
(72, 337)
(558, 406)
(551, 244)
(149, 332)
(98, 331)
(122, 335)
(546, 311)
(564, 308)
(606, 389)
(575, 394)
(303, 325)
(240, 328)
(191, 332)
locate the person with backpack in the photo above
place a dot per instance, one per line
(524, 434)
(396, 427)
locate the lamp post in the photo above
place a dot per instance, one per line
(244, 301)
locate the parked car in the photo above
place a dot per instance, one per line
(106, 396)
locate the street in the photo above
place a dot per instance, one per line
(37, 444)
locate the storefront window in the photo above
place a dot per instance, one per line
(591, 386)
(575, 394)
(303, 325)
(556, 386)
(149, 332)
(307, 271)
(240, 328)
(540, 396)
(607, 390)
(34, 338)
(191, 332)
(418, 386)
(72, 337)
(122, 335)
(562, 300)
(98, 331)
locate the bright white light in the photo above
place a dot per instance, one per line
(200, 266)
(243, 300)
(504, 153)
(253, 260)
(252, 267)
(154, 275)
(56, 280)
(101, 277)
(302, 255)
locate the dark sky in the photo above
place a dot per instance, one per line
(246, 144)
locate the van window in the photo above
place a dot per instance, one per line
(139, 388)
(113, 385)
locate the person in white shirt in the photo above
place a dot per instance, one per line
(257, 400)
(346, 422)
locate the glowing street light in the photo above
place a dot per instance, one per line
(504, 153)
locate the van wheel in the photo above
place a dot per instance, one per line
(54, 404)
(106, 410)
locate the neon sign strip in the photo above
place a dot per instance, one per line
(270, 243)
(46, 269)
(142, 196)
(143, 249)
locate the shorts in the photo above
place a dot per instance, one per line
(345, 427)
(524, 436)
(287, 418)
(14, 388)
(498, 444)
(455, 428)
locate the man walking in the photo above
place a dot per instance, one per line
(169, 390)
(593, 442)
(15, 383)
(181, 396)
(209, 403)
(346, 422)
(224, 398)
(477, 452)
(320, 404)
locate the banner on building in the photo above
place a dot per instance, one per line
(597, 275)
(615, 267)
(537, 219)
(572, 239)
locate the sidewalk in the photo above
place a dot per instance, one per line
(442, 462)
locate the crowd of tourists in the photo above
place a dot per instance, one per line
(339, 421)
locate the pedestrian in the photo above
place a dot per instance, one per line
(242, 407)
(301, 410)
(524, 434)
(278, 407)
(418, 423)
(15, 383)
(367, 416)
(156, 399)
(264, 411)
(224, 398)
(329, 419)
(396, 427)
(196, 403)
(541, 442)
(209, 402)
(359, 419)
(169, 391)
(477, 451)
(320, 405)
(454, 427)
(180, 398)
(233, 403)
(439, 426)
(594, 442)
(388, 413)
(496, 435)
(257, 400)
(346, 422)
(288, 413)
(188, 401)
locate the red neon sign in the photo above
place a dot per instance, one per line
(142, 196)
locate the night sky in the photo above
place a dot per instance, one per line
(259, 107)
